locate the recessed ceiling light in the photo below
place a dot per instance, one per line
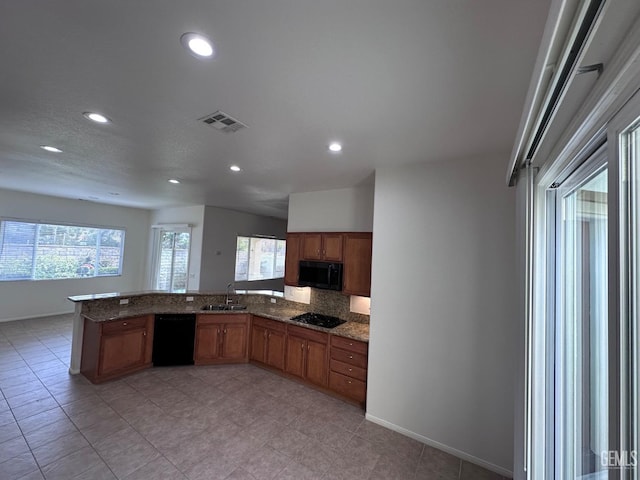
(235, 168)
(173, 180)
(96, 117)
(197, 44)
(335, 147)
(49, 148)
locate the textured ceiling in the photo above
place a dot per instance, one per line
(396, 81)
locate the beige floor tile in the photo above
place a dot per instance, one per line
(58, 448)
(18, 467)
(72, 465)
(158, 469)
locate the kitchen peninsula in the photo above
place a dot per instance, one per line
(113, 336)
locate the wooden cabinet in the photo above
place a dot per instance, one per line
(268, 342)
(307, 354)
(221, 338)
(117, 347)
(356, 274)
(292, 258)
(348, 368)
(325, 247)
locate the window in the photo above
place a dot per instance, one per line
(582, 344)
(42, 251)
(171, 254)
(259, 258)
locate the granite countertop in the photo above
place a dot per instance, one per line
(354, 330)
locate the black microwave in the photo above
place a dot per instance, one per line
(323, 275)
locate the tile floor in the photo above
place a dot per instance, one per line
(219, 422)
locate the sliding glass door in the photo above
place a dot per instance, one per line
(582, 343)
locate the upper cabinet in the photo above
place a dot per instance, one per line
(353, 250)
(322, 246)
(292, 258)
(356, 276)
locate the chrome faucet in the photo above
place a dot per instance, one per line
(228, 300)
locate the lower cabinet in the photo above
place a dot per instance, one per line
(221, 338)
(117, 347)
(268, 342)
(348, 368)
(307, 354)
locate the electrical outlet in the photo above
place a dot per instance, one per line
(273, 300)
(189, 299)
(124, 301)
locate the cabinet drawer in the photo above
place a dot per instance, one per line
(349, 344)
(116, 326)
(355, 359)
(347, 386)
(352, 371)
(307, 333)
(269, 324)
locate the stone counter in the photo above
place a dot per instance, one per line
(105, 307)
(354, 330)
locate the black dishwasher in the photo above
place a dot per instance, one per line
(173, 339)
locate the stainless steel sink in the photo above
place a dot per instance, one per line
(223, 307)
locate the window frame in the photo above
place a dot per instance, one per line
(275, 257)
(56, 223)
(157, 252)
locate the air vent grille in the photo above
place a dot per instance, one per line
(223, 122)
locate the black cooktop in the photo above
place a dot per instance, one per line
(318, 320)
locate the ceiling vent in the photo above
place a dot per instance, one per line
(223, 122)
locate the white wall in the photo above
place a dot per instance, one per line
(221, 229)
(193, 215)
(443, 309)
(342, 210)
(25, 299)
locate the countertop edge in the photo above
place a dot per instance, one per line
(353, 330)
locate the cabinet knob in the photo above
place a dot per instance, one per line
(302, 346)
(351, 369)
(351, 344)
(349, 382)
(144, 334)
(218, 330)
(269, 336)
(351, 356)
(225, 330)
(124, 324)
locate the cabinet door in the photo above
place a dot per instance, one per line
(312, 246)
(275, 349)
(295, 355)
(332, 247)
(121, 351)
(208, 338)
(234, 342)
(356, 277)
(258, 344)
(292, 259)
(316, 371)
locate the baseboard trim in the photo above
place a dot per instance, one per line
(73, 371)
(2, 320)
(441, 446)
